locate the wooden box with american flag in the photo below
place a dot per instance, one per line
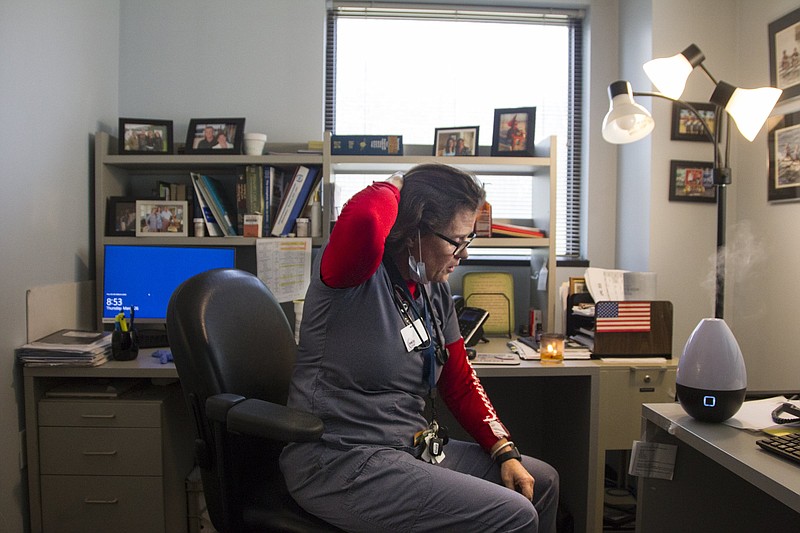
(633, 329)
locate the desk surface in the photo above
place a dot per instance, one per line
(734, 449)
(147, 366)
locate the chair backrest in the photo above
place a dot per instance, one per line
(228, 334)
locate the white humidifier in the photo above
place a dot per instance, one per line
(711, 379)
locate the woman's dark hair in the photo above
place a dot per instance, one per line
(431, 197)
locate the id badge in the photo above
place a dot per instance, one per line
(414, 335)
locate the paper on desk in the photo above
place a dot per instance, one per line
(756, 415)
(652, 459)
(605, 284)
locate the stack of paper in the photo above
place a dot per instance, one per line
(67, 347)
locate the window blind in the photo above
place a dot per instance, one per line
(568, 192)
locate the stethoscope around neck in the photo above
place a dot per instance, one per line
(412, 317)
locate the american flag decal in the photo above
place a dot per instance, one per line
(622, 317)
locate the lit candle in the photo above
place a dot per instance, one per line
(552, 347)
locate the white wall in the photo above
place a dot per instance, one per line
(680, 238)
(766, 273)
(59, 83)
(264, 61)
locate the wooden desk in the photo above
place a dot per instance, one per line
(571, 414)
(722, 480)
(568, 414)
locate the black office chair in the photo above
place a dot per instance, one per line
(234, 351)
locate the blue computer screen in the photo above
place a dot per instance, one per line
(146, 276)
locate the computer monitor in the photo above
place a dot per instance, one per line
(146, 276)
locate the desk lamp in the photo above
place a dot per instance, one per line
(711, 379)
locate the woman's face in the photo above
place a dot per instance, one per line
(437, 253)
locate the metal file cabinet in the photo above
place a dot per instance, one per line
(112, 461)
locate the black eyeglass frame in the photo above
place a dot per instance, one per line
(460, 246)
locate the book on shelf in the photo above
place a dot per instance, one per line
(294, 199)
(217, 201)
(212, 227)
(241, 200)
(502, 229)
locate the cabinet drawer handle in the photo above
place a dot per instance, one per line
(112, 452)
(101, 502)
(99, 416)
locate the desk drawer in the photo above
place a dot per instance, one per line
(77, 504)
(100, 451)
(103, 413)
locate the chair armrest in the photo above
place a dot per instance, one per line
(257, 418)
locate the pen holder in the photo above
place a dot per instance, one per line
(124, 345)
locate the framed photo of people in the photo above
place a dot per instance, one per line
(121, 216)
(145, 136)
(691, 181)
(784, 55)
(687, 127)
(783, 143)
(217, 136)
(161, 218)
(456, 141)
(513, 131)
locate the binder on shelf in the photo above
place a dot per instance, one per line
(294, 199)
(212, 226)
(215, 197)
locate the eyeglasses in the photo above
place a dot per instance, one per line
(460, 246)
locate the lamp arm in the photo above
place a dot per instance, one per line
(696, 113)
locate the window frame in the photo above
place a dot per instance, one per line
(568, 230)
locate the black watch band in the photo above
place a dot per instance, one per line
(513, 453)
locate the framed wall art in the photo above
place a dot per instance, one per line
(692, 181)
(784, 55)
(145, 136)
(687, 127)
(513, 131)
(456, 141)
(783, 182)
(161, 218)
(215, 136)
(121, 216)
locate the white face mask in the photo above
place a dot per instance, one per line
(417, 269)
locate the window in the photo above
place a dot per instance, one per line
(409, 71)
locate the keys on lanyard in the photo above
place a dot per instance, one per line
(434, 439)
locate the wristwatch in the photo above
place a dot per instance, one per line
(513, 453)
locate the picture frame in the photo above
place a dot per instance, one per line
(783, 181)
(462, 141)
(161, 218)
(145, 136)
(686, 127)
(577, 285)
(513, 131)
(121, 216)
(784, 55)
(208, 135)
(692, 181)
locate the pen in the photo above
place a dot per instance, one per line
(131, 324)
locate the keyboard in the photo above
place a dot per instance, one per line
(787, 446)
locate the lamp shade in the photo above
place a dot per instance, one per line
(669, 74)
(749, 108)
(711, 380)
(626, 121)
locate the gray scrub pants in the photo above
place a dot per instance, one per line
(375, 489)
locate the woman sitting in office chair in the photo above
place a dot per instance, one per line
(379, 337)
